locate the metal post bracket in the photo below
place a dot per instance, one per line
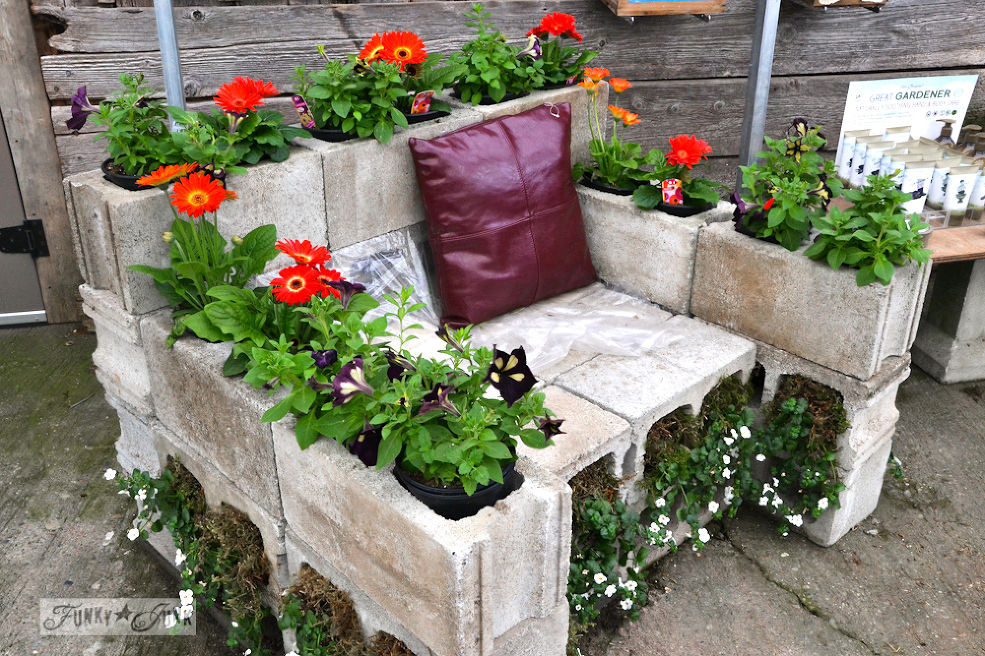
(26, 238)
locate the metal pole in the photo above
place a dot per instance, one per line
(168, 41)
(758, 86)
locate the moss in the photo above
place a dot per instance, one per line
(826, 406)
(593, 481)
(187, 486)
(242, 568)
(385, 644)
(730, 393)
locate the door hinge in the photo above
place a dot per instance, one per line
(27, 238)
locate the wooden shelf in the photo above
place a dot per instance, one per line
(664, 7)
(957, 244)
(820, 4)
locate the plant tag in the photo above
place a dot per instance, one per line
(673, 194)
(301, 107)
(572, 80)
(422, 102)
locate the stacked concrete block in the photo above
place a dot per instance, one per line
(455, 586)
(863, 450)
(767, 293)
(649, 254)
(117, 228)
(135, 448)
(950, 345)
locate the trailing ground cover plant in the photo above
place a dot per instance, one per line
(492, 68)
(237, 131)
(562, 64)
(874, 235)
(678, 163)
(137, 136)
(787, 189)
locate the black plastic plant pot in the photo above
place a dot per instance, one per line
(413, 119)
(128, 182)
(743, 230)
(486, 100)
(328, 134)
(684, 210)
(453, 503)
(601, 186)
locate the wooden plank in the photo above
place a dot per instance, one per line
(28, 126)
(664, 7)
(957, 244)
(222, 42)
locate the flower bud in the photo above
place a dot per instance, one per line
(167, 237)
(237, 240)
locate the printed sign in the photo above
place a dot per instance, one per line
(115, 616)
(422, 102)
(301, 107)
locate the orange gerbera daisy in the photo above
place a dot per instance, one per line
(303, 252)
(372, 50)
(403, 48)
(619, 84)
(593, 87)
(243, 94)
(295, 285)
(687, 150)
(618, 112)
(596, 74)
(326, 276)
(165, 174)
(198, 193)
(558, 24)
(629, 118)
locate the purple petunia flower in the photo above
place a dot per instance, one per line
(532, 50)
(350, 381)
(437, 399)
(366, 446)
(346, 290)
(81, 108)
(399, 365)
(444, 335)
(550, 426)
(325, 358)
(510, 374)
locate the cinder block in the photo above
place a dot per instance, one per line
(218, 417)
(371, 188)
(135, 447)
(581, 135)
(870, 406)
(73, 226)
(649, 254)
(121, 365)
(542, 636)
(858, 500)
(947, 359)
(119, 228)
(950, 344)
(767, 293)
(455, 585)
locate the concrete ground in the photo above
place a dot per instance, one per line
(910, 580)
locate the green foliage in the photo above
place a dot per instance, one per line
(874, 235)
(222, 141)
(617, 163)
(490, 66)
(788, 188)
(137, 135)
(200, 262)
(561, 62)
(697, 191)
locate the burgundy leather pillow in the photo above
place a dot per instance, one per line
(503, 216)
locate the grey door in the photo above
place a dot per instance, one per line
(20, 292)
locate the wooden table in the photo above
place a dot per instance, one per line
(957, 244)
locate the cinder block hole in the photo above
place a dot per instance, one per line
(825, 404)
(329, 618)
(757, 383)
(595, 480)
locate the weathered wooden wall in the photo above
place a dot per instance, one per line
(689, 75)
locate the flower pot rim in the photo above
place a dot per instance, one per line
(405, 477)
(586, 181)
(122, 180)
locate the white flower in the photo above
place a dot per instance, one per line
(726, 459)
(713, 506)
(823, 503)
(125, 493)
(133, 534)
(664, 520)
(236, 626)
(141, 495)
(611, 590)
(729, 494)
(185, 612)
(777, 502)
(577, 607)
(745, 432)
(631, 586)
(169, 621)
(109, 474)
(703, 535)
(760, 457)
(796, 520)
(727, 473)
(660, 503)
(186, 597)
(776, 481)
(763, 501)
(733, 433)
(626, 604)
(291, 653)
(584, 572)
(653, 527)
(600, 578)
(729, 441)
(247, 652)
(669, 537)
(179, 558)
(109, 536)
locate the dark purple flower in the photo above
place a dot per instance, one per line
(550, 426)
(81, 108)
(325, 358)
(741, 206)
(399, 365)
(532, 50)
(346, 290)
(510, 374)
(437, 399)
(350, 381)
(448, 338)
(366, 446)
(141, 103)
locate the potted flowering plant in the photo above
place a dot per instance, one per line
(137, 136)
(562, 64)
(789, 187)
(492, 70)
(237, 131)
(673, 187)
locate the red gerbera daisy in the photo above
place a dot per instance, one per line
(687, 150)
(558, 24)
(303, 252)
(403, 48)
(326, 276)
(295, 285)
(243, 94)
(619, 84)
(198, 193)
(165, 174)
(596, 74)
(372, 50)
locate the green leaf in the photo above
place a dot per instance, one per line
(279, 411)
(341, 106)
(200, 324)
(233, 318)
(647, 196)
(498, 450)
(389, 450)
(884, 270)
(306, 430)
